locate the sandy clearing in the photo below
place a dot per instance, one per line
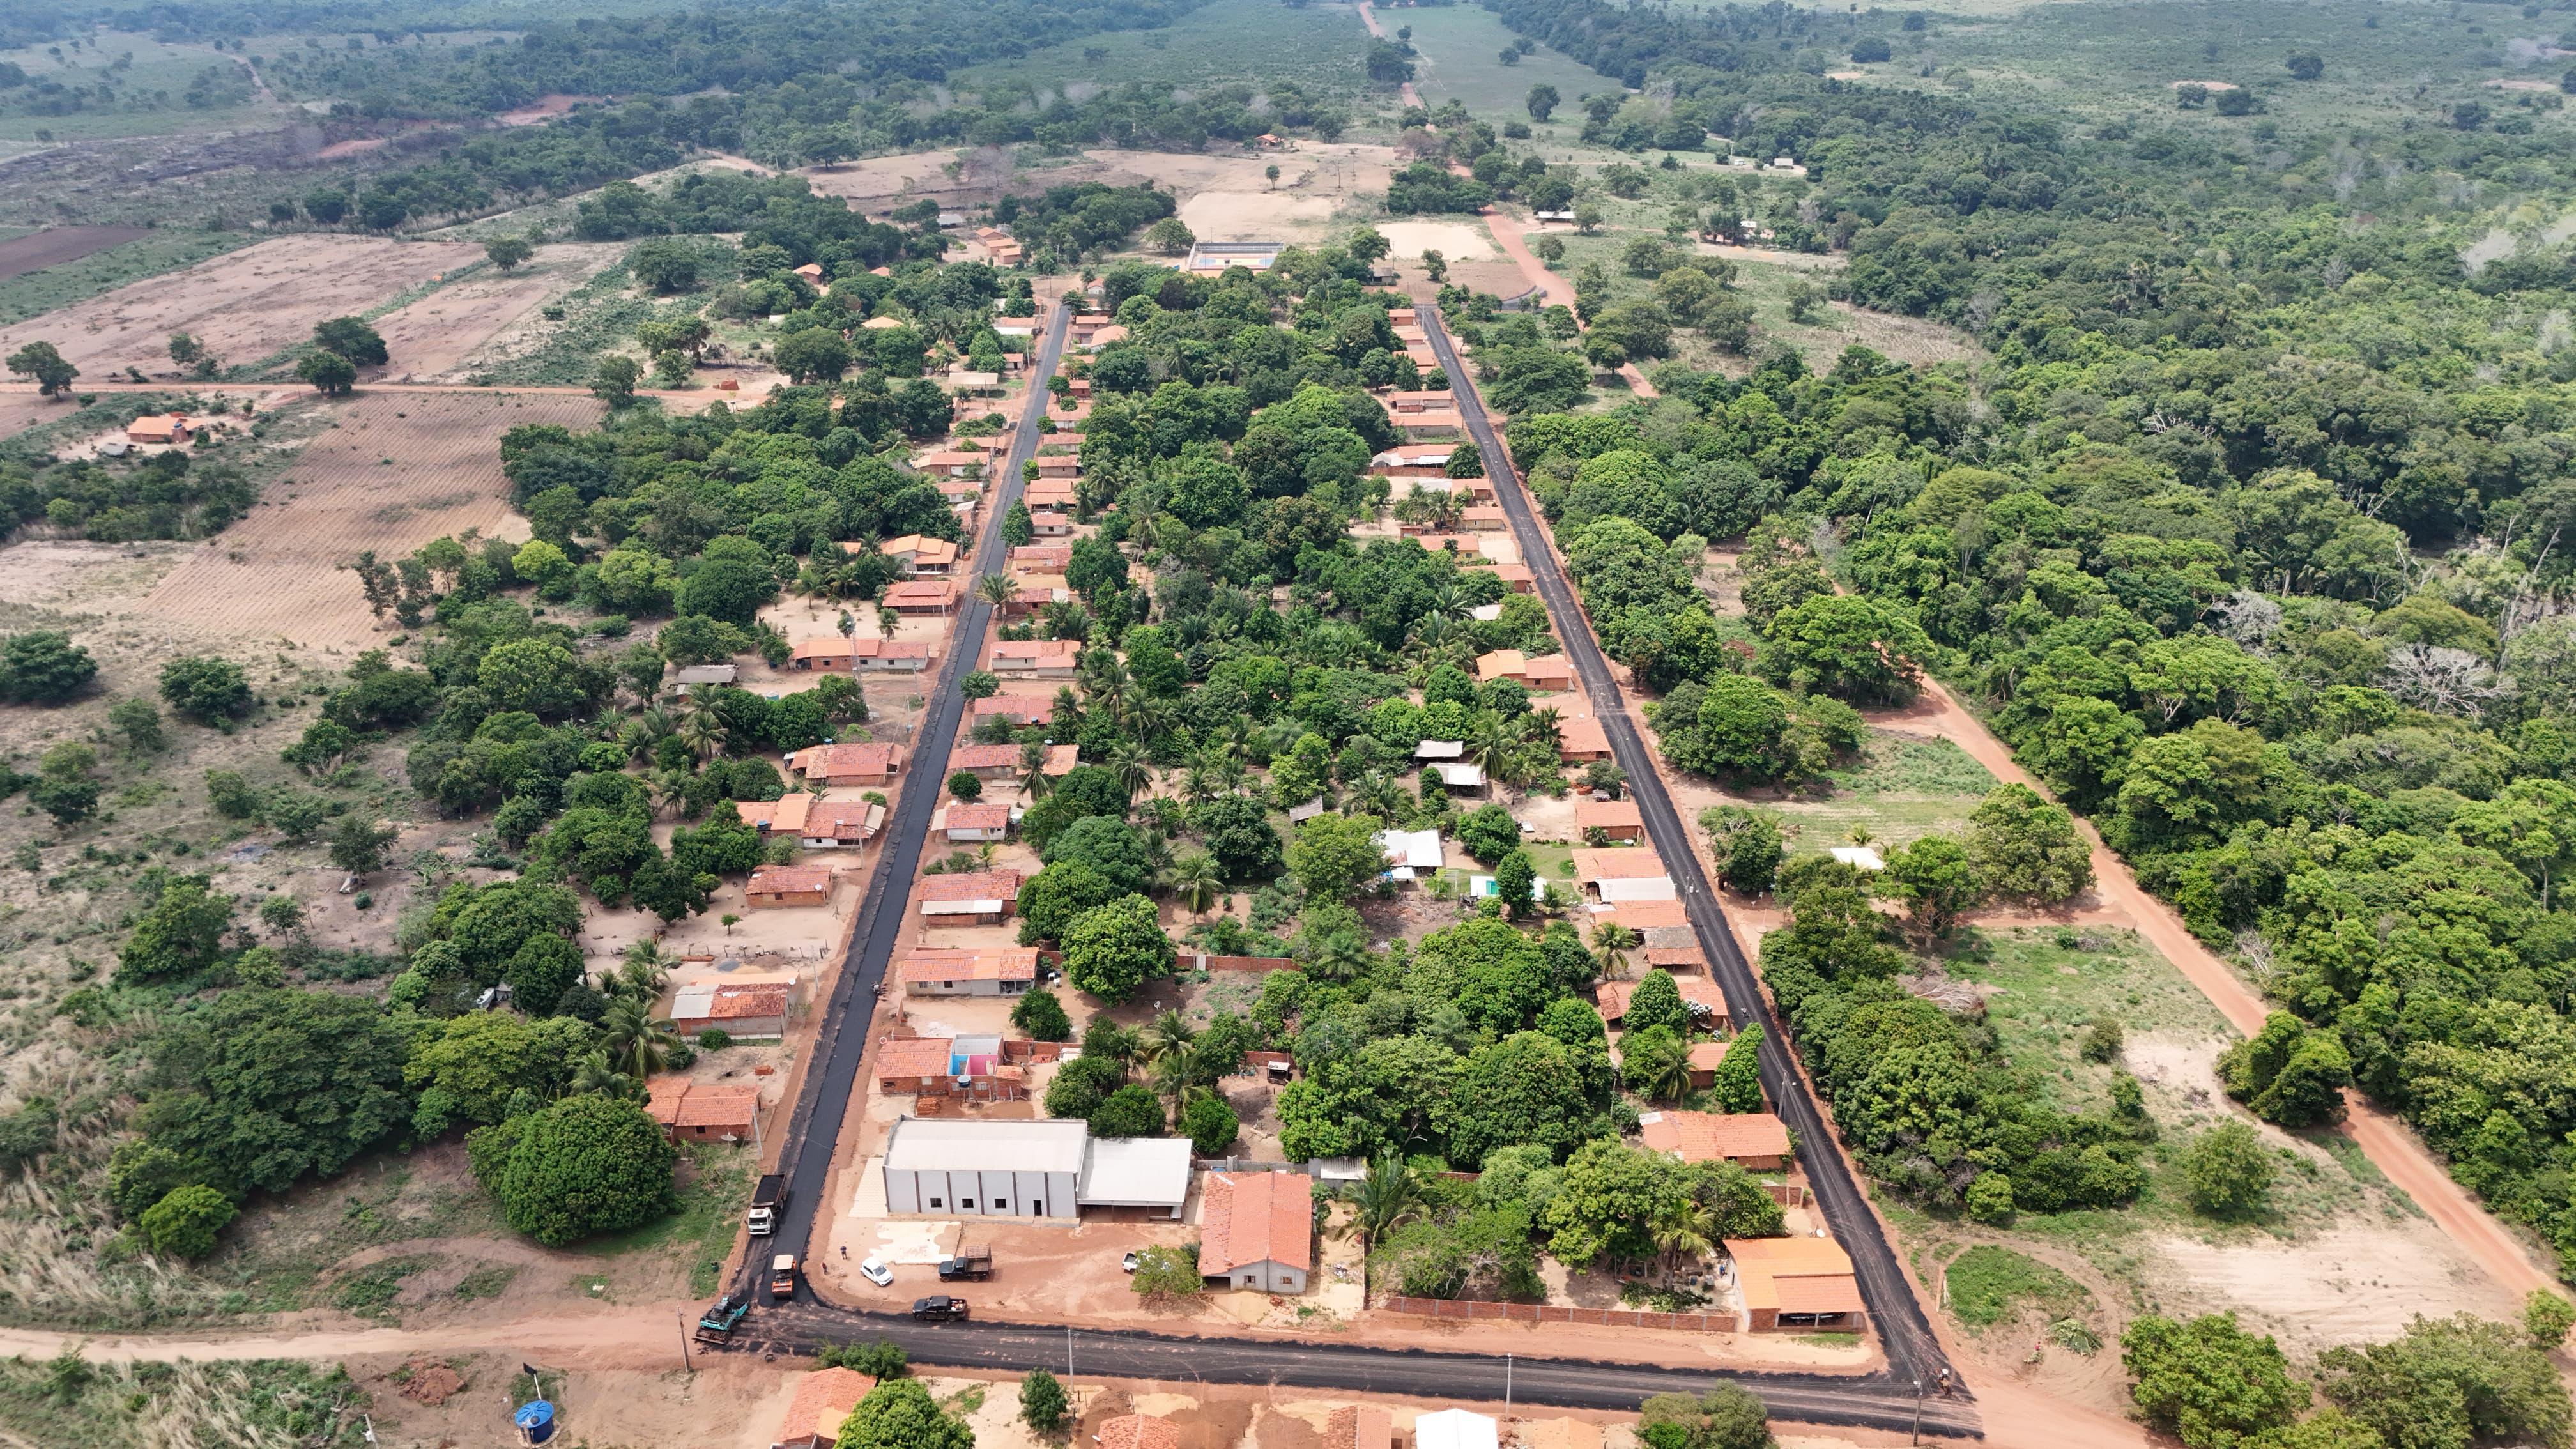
(2346, 1285)
(436, 337)
(1221, 197)
(545, 108)
(277, 574)
(244, 306)
(1455, 240)
(1252, 215)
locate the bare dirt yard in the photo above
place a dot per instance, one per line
(1221, 197)
(59, 244)
(244, 306)
(435, 338)
(393, 472)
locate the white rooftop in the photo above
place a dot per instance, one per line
(1411, 849)
(1463, 775)
(935, 1144)
(1650, 888)
(1439, 749)
(1135, 1172)
(1455, 1429)
(1859, 855)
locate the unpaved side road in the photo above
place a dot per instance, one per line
(2387, 1142)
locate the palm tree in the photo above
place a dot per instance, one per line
(1684, 1228)
(994, 589)
(1127, 761)
(1199, 785)
(1612, 940)
(597, 1073)
(1035, 782)
(704, 734)
(636, 1042)
(885, 620)
(1487, 747)
(1162, 1036)
(1545, 725)
(1197, 882)
(1149, 717)
(1669, 1079)
(638, 740)
(1340, 956)
(1387, 1196)
(1176, 1073)
(641, 973)
(985, 853)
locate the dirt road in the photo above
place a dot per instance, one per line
(1507, 234)
(1368, 17)
(2388, 1143)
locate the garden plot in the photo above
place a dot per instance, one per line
(392, 474)
(245, 306)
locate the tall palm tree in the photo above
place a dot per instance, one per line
(1197, 882)
(1611, 941)
(1388, 1195)
(1684, 1228)
(885, 620)
(1127, 761)
(1487, 747)
(1341, 956)
(1545, 725)
(1668, 1079)
(596, 1073)
(1035, 782)
(1199, 785)
(1176, 1075)
(1166, 1033)
(994, 589)
(638, 740)
(636, 1042)
(704, 734)
(1149, 717)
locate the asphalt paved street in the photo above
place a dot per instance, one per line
(814, 1131)
(1894, 1310)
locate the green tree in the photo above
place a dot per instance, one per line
(264, 1087)
(184, 1222)
(467, 1069)
(2207, 1382)
(614, 380)
(1042, 1016)
(1726, 1417)
(2289, 1073)
(181, 935)
(812, 354)
(664, 266)
(1655, 1063)
(2450, 1383)
(2027, 850)
(140, 722)
(1935, 879)
(1131, 1111)
(1541, 102)
(1044, 1405)
(509, 252)
(208, 690)
(359, 842)
(1748, 845)
(2546, 1317)
(1847, 646)
(900, 1414)
(1738, 1083)
(1211, 1125)
(2230, 1170)
(966, 785)
(1334, 855)
(329, 373)
(586, 1165)
(1989, 1199)
(352, 338)
(1489, 832)
(41, 364)
(1658, 1002)
(63, 787)
(1112, 949)
(43, 666)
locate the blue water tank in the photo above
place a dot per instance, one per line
(536, 1422)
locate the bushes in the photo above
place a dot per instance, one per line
(2230, 1170)
(43, 666)
(208, 690)
(2288, 1072)
(586, 1165)
(184, 1222)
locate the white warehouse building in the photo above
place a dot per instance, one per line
(984, 1167)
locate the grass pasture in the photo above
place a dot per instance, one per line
(1321, 48)
(1461, 48)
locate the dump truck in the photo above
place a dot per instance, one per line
(782, 1276)
(716, 1326)
(938, 1309)
(768, 1200)
(973, 1263)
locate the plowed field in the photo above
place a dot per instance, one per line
(244, 306)
(276, 575)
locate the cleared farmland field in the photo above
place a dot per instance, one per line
(396, 471)
(435, 337)
(244, 306)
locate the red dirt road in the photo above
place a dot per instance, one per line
(2389, 1145)
(1368, 17)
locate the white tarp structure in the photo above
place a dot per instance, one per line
(1455, 1429)
(1439, 749)
(1862, 856)
(1459, 776)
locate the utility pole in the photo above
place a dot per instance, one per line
(1918, 1411)
(1068, 1350)
(684, 1345)
(1507, 1381)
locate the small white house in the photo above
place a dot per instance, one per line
(1414, 853)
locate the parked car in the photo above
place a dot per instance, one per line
(938, 1309)
(876, 1272)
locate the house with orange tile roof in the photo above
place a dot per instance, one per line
(169, 428)
(823, 1399)
(963, 824)
(1052, 466)
(865, 763)
(1594, 865)
(1060, 760)
(712, 1113)
(1041, 558)
(1424, 426)
(1679, 960)
(1581, 740)
(832, 654)
(1426, 400)
(931, 971)
(840, 824)
(1796, 1283)
(1615, 819)
(1517, 577)
(1036, 658)
(1257, 1230)
(775, 886)
(1699, 993)
(1537, 673)
(1138, 1431)
(985, 762)
(662, 1096)
(1755, 1141)
(1020, 709)
(982, 898)
(1046, 492)
(914, 1065)
(955, 462)
(1704, 1057)
(1654, 919)
(1359, 1426)
(917, 557)
(922, 596)
(755, 1008)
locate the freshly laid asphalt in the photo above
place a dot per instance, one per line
(1899, 1397)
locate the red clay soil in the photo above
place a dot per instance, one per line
(2388, 1144)
(58, 244)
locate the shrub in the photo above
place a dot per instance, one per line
(966, 785)
(1211, 1125)
(205, 689)
(714, 1038)
(43, 667)
(1990, 1199)
(1041, 1015)
(184, 1222)
(2230, 1169)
